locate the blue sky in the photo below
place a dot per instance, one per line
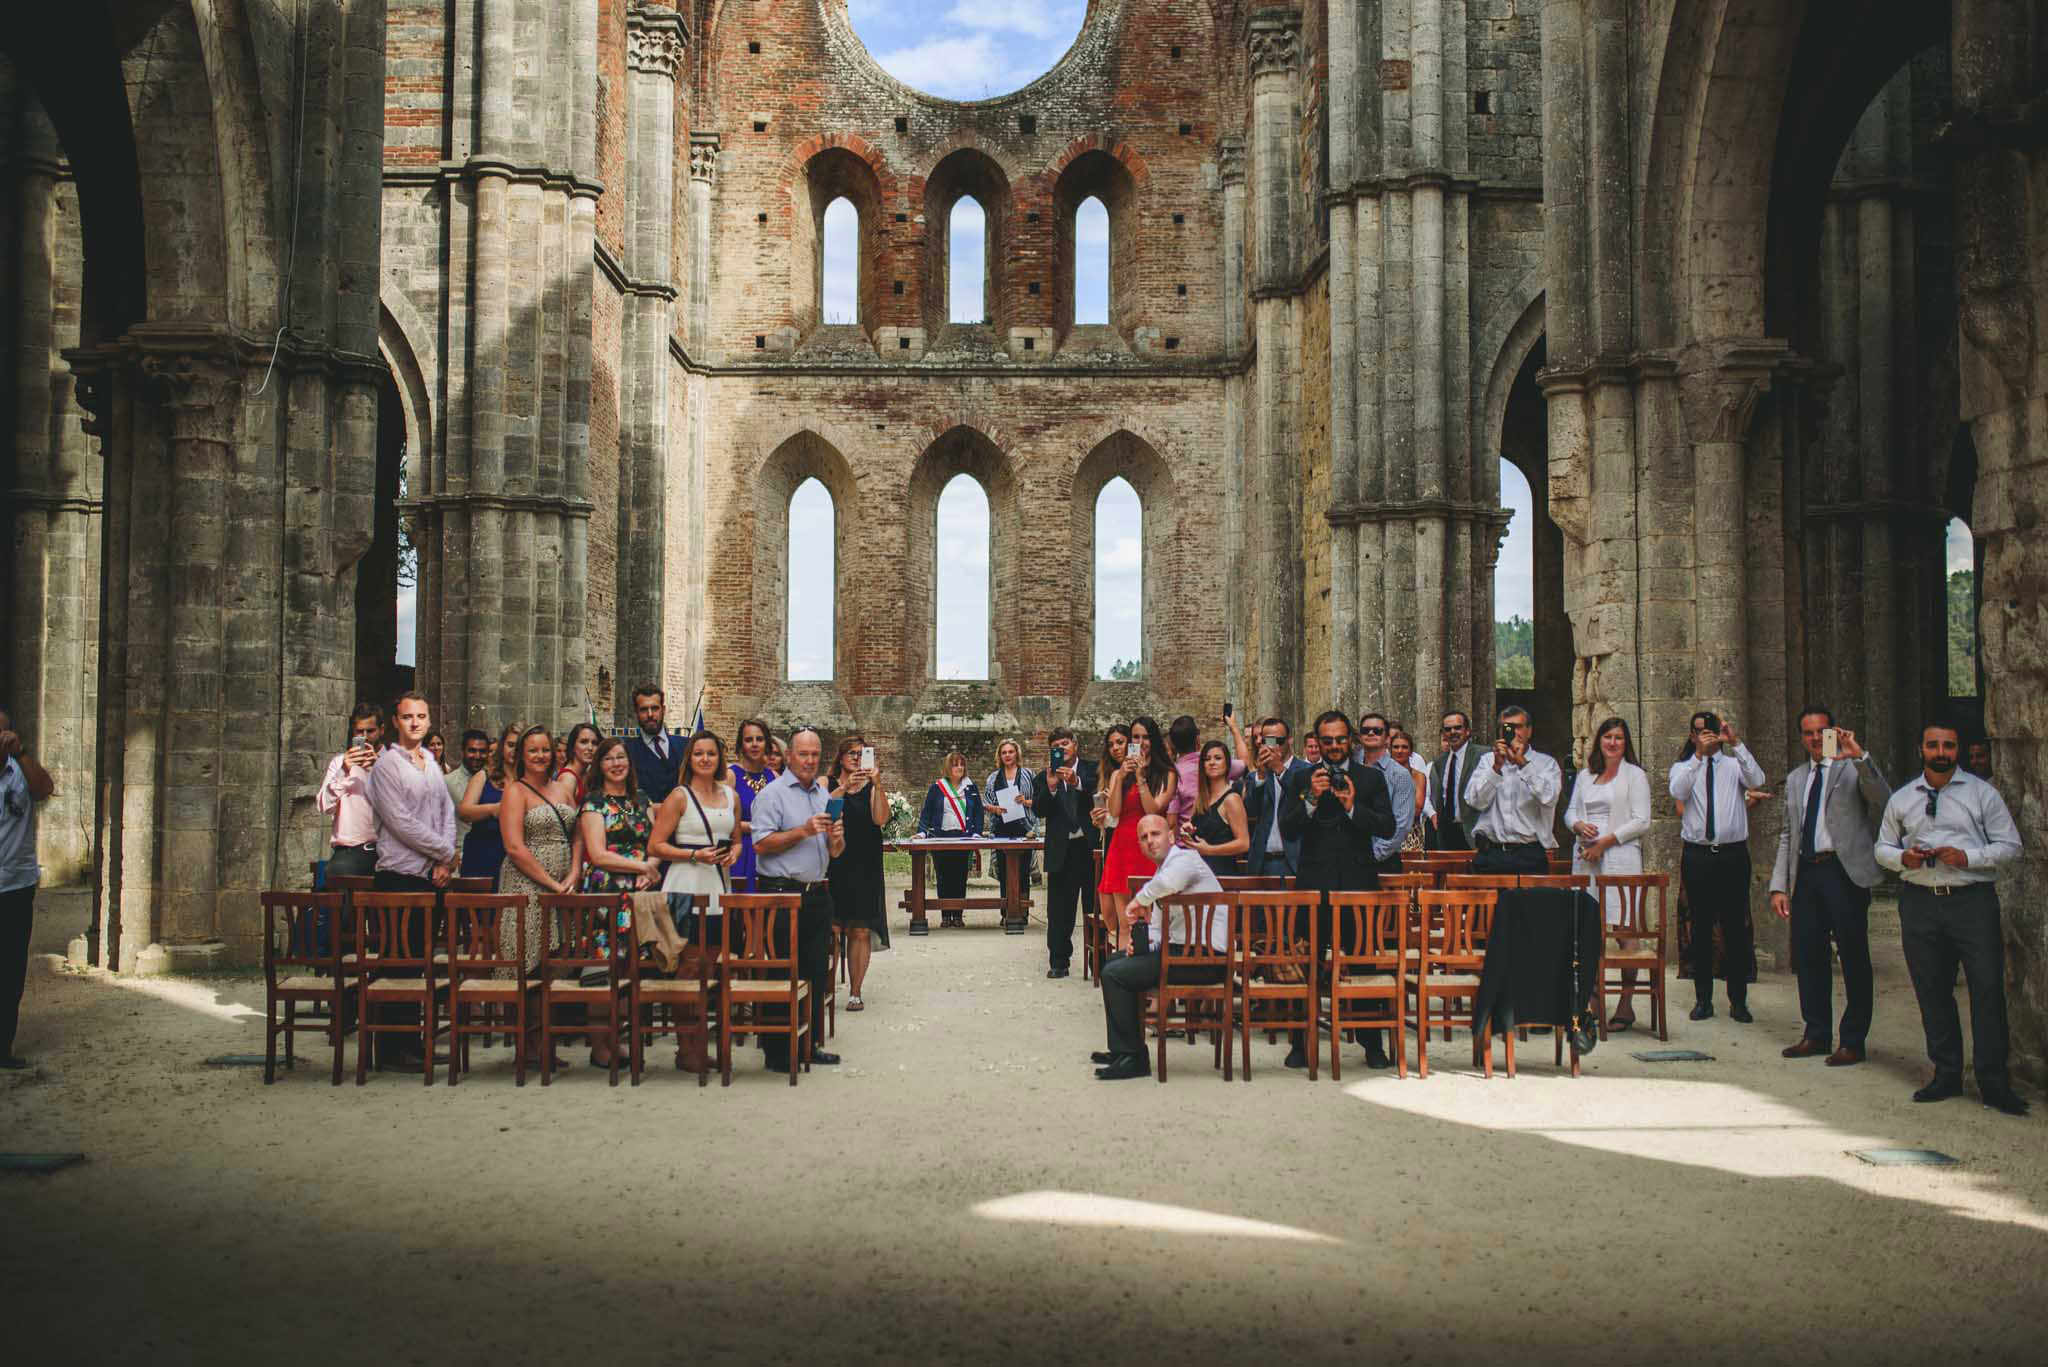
(967, 49)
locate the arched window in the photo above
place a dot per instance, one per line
(1119, 582)
(1514, 589)
(839, 264)
(809, 575)
(962, 577)
(1091, 262)
(1962, 610)
(967, 253)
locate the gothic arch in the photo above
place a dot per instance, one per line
(399, 330)
(964, 450)
(836, 169)
(1105, 176)
(967, 170)
(804, 454)
(1124, 453)
(1506, 338)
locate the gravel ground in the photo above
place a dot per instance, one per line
(962, 1189)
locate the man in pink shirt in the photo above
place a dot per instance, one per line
(345, 796)
(1185, 739)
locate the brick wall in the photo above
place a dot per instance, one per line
(415, 82)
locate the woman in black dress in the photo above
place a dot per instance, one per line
(1218, 830)
(856, 872)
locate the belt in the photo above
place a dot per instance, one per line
(1950, 889)
(367, 848)
(793, 884)
(1719, 845)
(1821, 858)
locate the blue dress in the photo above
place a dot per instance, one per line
(747, 786)
(483, 849)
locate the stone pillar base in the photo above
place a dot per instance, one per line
(160, 960)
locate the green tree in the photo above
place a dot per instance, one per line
(1124, 670)
(1514, 653)
(1962, 634)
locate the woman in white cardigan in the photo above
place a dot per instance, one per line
(1610, 813)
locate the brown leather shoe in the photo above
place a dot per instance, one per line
(1806, 1048)
(1844, 1056)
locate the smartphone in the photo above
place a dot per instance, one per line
(1059, 757)
(1830, 744)
(867, 757)
(833, 807)
(1226, 711)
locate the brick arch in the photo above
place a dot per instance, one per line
(1123, 452)
(1098, 173)
(836, 167)
(806, 452)
(1131, 160)
(963, 449)
(964, 167)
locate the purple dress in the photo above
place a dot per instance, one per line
(747, 785)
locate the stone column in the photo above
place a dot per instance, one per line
(703, 180)
(654, 49)
(1343, 681)
(505, 519)
(2002, 273)
(1276, 555)
(53, 504)
(1230, 171)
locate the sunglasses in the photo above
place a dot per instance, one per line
(1344, 739)
(1372, 730)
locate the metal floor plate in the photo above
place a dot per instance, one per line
(1904, 1158)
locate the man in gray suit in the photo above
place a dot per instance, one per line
(1443, 807)
(1826, 866)
(1272, 853)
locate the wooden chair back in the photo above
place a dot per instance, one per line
(582, 930)
(1632, 899)
(1136, 882)
(1368, 931)
(1186, 924)
(1192, 915)
(350, 882)
(470, 885)
(1565, 882)
(1461, 919)
(1407, 882)
(302, 930)
(485, 933)
(394, 930)
(750, 925)
(1276, 931)
(1470, 882)
(1255, 883)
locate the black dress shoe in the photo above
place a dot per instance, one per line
(1376, 1057)
(1703, 1012)
(1102, 1058)
(1130, 1066)
(1739, 1013)
(1297, 1057)
(2005, 1099)
(1941, 1089)
(1056, 971)
(825, 1057)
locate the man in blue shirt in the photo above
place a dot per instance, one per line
(794, 842)
(23, 783)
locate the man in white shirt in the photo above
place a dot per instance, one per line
(1180, 870)
(1947, 834)
(1822, 879)
(1514, 789)
(1710, 778)
(23, 784)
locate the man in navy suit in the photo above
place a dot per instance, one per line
(657, 756)
(1273, 853)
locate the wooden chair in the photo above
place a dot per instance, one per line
(1643, 941)
(688, 999)
(1565, 882)
(1255, 883)
(351, 882)
(756, 974)
(396, 957)
(1407, 882)
(1094, 935)
(1447, 968)
(486, 933)
(835, 972)
(1189, 1007)
(304, 943)
(582, 931)
(1368, 955)
(1482, 1034)
(1483, 882)
(1274, 968)
(470, 886)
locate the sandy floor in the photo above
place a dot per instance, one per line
(963, 1189)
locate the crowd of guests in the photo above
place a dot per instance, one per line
(673, 812)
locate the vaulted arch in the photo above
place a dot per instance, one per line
(963, 451)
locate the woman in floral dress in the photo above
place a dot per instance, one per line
(615, 824)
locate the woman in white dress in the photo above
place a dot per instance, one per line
(1609, 813)
(697, 830)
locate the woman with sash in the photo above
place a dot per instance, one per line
(951, 811)
(749, 777)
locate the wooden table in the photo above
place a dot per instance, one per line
(1015, 903)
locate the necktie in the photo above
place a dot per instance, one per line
(1450, 798)
(1710, 799)
(1816, 785)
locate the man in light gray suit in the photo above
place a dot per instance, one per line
(1826, 866)
(1271, 853)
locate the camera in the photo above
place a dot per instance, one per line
(1338, 778)
(1507, 733)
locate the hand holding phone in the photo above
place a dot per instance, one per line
(1830, 743)
(833, 807)
(867, 757)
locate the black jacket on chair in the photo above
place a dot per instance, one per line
(1066, 814)
(1336, 845)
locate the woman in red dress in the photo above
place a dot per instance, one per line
(1143, 786)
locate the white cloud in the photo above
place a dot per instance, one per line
(408, 624)
(1121, 557)
(967, 239)
(963, 606)
(842, 262)
(1032, 18)
(1961, 546)
(960, 68)
(810, 615)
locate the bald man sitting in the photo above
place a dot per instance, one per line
(1124, 980)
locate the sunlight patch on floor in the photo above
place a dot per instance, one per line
(1697, 1124)
(191, 996)
(1088, 1210)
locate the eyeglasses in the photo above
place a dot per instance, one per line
(1372, 730)
(1344, 739)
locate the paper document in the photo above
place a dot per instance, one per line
(1010, 802)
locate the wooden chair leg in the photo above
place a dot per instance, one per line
(291, 1022)
(639, 1044)
(1511, 1053)
(269, 1042)
(1422, 1028)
